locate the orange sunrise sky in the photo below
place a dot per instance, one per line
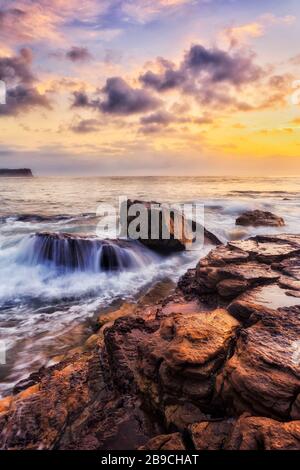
(166, 87)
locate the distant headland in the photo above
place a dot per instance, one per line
(20, 172)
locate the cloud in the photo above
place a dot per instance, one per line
(81, 100)
(122, 99)
(155, 122)
(22, 98)
(160, 117)
(21, 94)
(220, 66)
(239, 34)
(86, 126)
(168, 80)
(212, 76)
(202, 66)
(44, 20)
(28, 21)
(78, 54)
(119, 98)
(17, 68)
(143, 11)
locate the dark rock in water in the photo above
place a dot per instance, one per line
(78, 253)
(162, 222)
(21, 172)
(40, 218)
(260, 218)
(179, 374)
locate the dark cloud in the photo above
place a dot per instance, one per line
(122, 99)
(203, 69)
(156, 122)
(81, 100)
(22, 98)
(160, 117)
(78, 54)
(17, 68)
(86, 126)
(220, 66)
(160, 120)
(119, 99)
(163, 82)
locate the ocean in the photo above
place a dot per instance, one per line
(45, 312)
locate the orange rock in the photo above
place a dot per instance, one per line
(246, 433)
(165, 442)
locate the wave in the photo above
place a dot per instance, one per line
(69, 253)
(38, 218)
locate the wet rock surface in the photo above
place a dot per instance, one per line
(214, 365)
(258, 218)
(173, 232)
(246, 433)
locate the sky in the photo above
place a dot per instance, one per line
(144, 87)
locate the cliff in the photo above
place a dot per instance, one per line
(20, 172)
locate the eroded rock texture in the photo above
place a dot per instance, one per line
(214, 365)
(246, 433)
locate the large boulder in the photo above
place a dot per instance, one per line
(163, 223)
(258, 218)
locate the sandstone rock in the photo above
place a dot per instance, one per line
(35, 420)
(180, 416)
(265, 268)
(231, 287)
(110, 317)
(211, 435)
(167, 239)
(74, 406)
(257, 218)
(271, 296)
(165, 442)
(179, 361)
(268, 249)
(247, 433)
(263, 375)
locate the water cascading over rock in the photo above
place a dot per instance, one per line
(78, 253)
